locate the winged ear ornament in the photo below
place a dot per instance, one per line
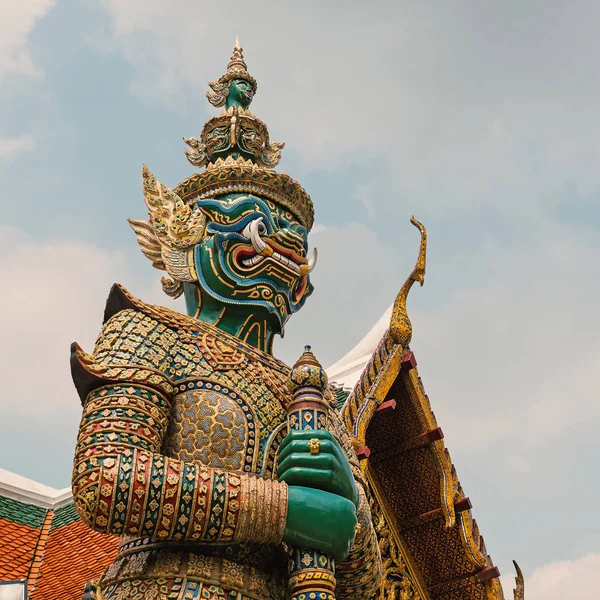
(169, 236)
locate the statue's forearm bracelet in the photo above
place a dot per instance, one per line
(122, 484)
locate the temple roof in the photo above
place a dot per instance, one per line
(44, 542)
(413, 475)
(346, 371)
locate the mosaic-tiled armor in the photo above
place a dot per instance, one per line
(177, 451)
(183, 415)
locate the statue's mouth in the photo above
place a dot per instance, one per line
(247, 258)
(250, 256)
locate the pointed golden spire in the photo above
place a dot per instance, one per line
(237, 62)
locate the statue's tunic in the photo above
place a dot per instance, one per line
(177, 453)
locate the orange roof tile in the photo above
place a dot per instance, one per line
(74, 554)
(17, 544)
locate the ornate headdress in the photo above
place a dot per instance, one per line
(239, 157)
(236, 69)
(238, 154)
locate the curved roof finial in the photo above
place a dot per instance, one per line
(519, 591)
(400, 325)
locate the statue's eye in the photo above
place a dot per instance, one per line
(262, 228)
(281, 223)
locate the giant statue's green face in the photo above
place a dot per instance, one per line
(240, 93)
(254, 254)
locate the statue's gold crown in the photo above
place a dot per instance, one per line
(238, 155)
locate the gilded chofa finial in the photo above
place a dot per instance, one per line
(237, 71)
(400, 325)
(519, 590)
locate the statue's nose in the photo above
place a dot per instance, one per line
(292, 239)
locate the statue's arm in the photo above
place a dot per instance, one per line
(122, 484)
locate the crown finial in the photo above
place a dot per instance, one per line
(237, 62)
(307, 372)
(236, 69)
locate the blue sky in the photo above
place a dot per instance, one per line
(478, 118)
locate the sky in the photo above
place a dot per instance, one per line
(479, 118)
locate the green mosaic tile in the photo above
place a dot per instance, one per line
(340, 396)
(21, 513)
(65, 515)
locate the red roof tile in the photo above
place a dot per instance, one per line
(17, 544)
(74, 554)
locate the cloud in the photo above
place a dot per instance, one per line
(510, 361)
(18, 21)
(11, 146)
(53, 293)
(456, 129)
(561, 579)
(363, 194)
(356, 277)
(510, 349)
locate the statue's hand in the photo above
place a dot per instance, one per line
(329, 470)
(320, 521)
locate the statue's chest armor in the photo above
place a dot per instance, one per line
(229, 420)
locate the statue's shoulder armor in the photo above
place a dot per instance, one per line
(119, 299)
(135, 344)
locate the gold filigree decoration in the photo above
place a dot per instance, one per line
(235, 129)
(168, 238)
(208, 428)
(162, 258)
(271, 154)
(177, 225)
(196, 153)
(171, 287)
(221, 356)
(149, 244)
(396, 583)
(229, 175)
